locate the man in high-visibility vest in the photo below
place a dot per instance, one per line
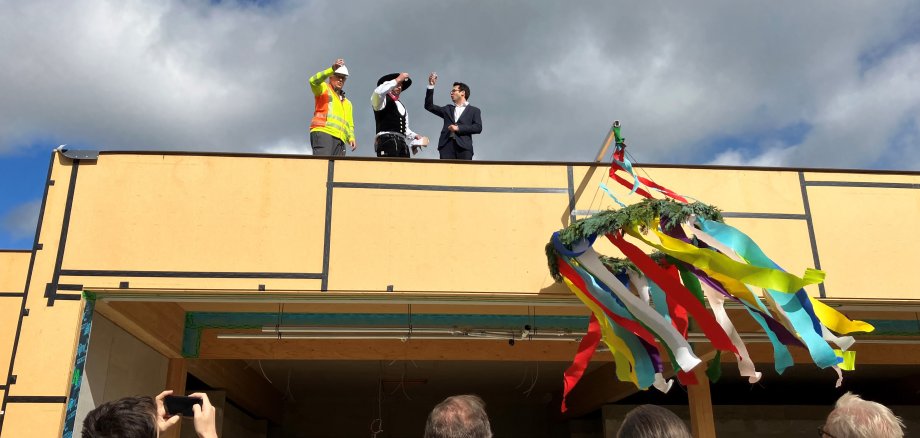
(332, 125)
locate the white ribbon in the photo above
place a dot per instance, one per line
(683, 354)
(661, 384)
(717, 303)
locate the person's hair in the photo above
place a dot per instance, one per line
(650, 421)
(129, 417)
(460, 416)
(464, 88)
(854, 417)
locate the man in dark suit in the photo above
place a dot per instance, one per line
(461, 121)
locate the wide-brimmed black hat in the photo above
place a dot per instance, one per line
(406, 84)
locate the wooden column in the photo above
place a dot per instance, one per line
(175, 380)
(702, 423)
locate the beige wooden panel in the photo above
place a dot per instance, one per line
(33, 420)
(45, 357)
(14, 266)
(9, 319)
(588, 194)
(867, 240)
(785, 241)
(197, 213)
(452, 174)
(441, 241)
(749, 191)
(864, 177)
(137, 284)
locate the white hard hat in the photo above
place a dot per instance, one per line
(341, 71)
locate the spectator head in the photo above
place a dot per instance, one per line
(854, 417)
(460, 416)
(650, 421)
(129, 417)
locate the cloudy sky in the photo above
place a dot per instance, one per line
(783, 83)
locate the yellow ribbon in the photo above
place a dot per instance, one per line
(849, 359)
(722, 267)
(837, 321)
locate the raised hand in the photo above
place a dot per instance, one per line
(164, 421)
(432, 78)
(338, 63)
(205, 417)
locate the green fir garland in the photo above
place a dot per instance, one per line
(642, 214)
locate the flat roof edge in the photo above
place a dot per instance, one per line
(515, 163)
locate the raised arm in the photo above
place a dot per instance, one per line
(429, 97)
(316, 81)
(377, 100)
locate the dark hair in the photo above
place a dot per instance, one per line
(129, 417)
(464, 88)
(460, 416)
(650, 421)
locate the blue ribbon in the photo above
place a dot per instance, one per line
(578, 248)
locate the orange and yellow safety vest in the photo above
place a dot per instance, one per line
(332, 114)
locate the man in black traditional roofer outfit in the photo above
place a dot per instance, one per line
(392, 120)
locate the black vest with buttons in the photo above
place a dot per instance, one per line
(389, 118)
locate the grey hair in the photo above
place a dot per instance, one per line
(460, 416)
(854, 417)
(650, 421)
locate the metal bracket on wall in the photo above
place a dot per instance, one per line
(76, 154)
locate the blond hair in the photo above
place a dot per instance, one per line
(854, 417)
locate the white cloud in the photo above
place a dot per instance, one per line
(288, 147)
(21, 220)
(858, 124)
(772, 157)
(550, 78)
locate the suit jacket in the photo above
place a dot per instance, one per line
(470, 122)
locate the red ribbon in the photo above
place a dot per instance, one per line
(614, 167)
(586, 349)
(679, 318)
(686, 378)
(678, 291)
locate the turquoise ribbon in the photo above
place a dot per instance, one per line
(659, 300)
(627, 166)
(782, 359)
(802, 316)
(610, 194)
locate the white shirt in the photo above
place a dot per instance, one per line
(379, 101)
(459, 110)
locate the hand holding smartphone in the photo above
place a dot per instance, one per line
(181, 405)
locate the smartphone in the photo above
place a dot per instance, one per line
(181, 405)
